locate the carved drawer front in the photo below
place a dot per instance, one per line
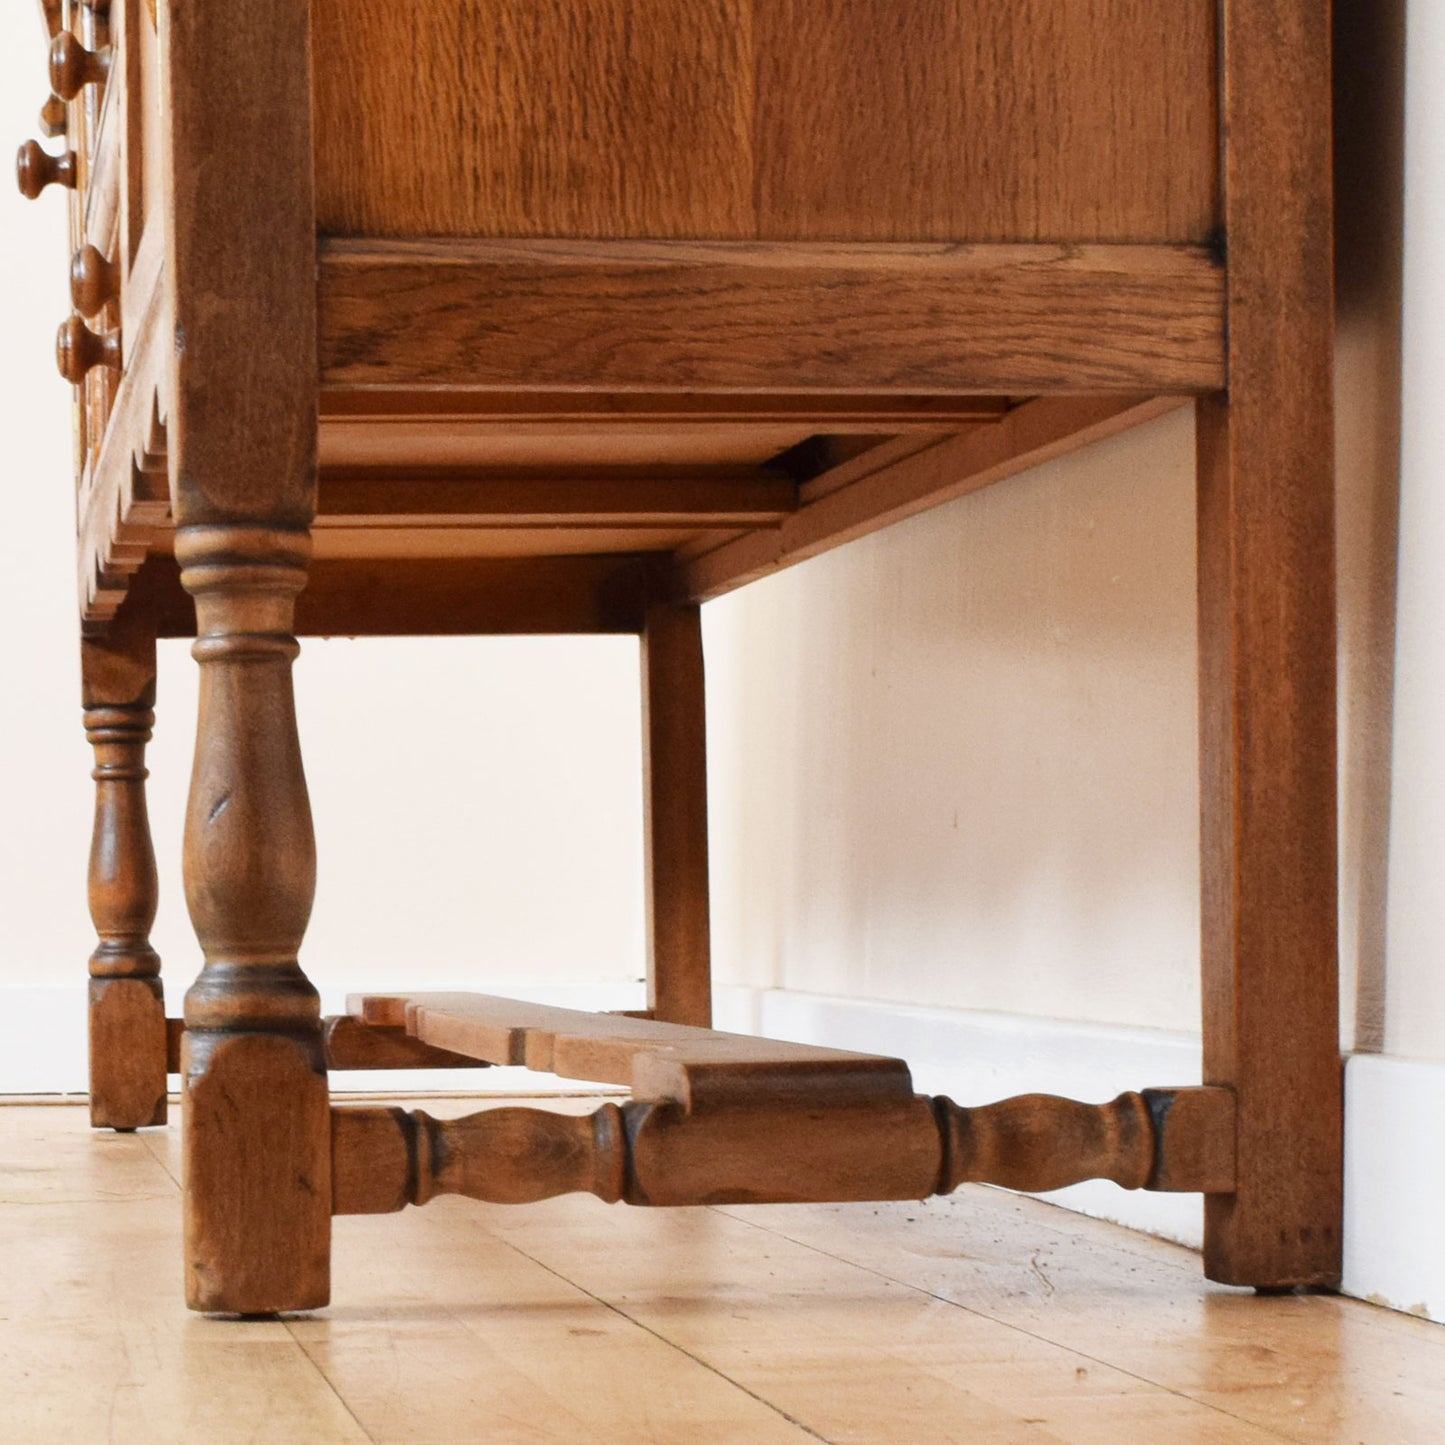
(82, 113)
(103, 126)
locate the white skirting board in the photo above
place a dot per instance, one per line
(1394, 1183)
(1394, 1162)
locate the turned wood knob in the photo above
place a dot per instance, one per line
(36, 168)
(78, 348)
(93, 281)
(53, 16)
(53, 119)
(73, 67)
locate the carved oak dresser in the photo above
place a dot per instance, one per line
(569, 315)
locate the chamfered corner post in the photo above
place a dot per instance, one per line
(674, 782)
(1267, 665)
(127, 1018)
(241, 294)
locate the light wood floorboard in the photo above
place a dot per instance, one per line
(984, 1317)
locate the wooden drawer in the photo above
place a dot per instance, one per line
(835, 120)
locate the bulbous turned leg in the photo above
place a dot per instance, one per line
(127, 1017)
(257, 1120)
(127, 1007)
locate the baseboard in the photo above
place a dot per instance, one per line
(1394, 1183)
(42, 1040)
(1394, 1174)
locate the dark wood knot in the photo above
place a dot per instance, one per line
(36, 168)
(78, 348)
(93, 281)
(72, 66)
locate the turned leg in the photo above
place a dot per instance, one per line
(257, 1121)
(1267, 669)
(127, 1017)
(674, 768)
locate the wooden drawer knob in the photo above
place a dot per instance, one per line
(35, 169)
(93, 281)
(78, 348)
(73, 67)
(53, 120)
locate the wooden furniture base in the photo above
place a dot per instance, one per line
(722, 1118)
(515, 316)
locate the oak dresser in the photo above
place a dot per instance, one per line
(570, 315)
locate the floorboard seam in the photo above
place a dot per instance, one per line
(671, 1344)
(326, 1380)
(1031, 1334)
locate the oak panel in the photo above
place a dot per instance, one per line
(534, 117)
(613, 317)
(850, 120)
(986, 120)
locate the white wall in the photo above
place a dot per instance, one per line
(1414, 1016)
(955, 761)
(44, 782)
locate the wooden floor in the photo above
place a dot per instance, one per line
(984, 1317)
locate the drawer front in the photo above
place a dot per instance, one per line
(846, 120)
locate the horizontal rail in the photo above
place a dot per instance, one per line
(831, 515)
(625, 316)
(351, 1045)
(440, 597)
(741, 1150)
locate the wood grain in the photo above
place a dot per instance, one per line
(705, 496)
(533, 410)
(763, 1148)
(257, 1122)
(645, 316)
(533, 117)
(257, 1173)
(350, 1044)
(674, 816)
(127, 1053)
(240, 261)
(1267, 666)
(127, 1014)
(1062, 120)
(659, 1061)
(1078, 120)
(442, 597)
(1177, 1140)
(126, 1003)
